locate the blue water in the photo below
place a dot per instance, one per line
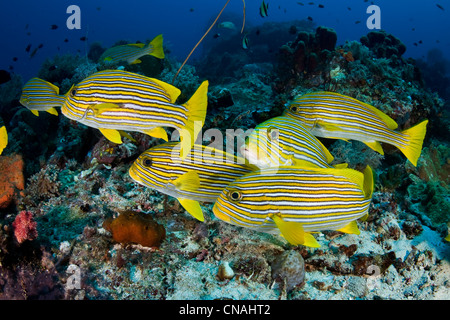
(183, 23)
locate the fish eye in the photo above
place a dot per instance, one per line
(273, 134)
(73, 92)
(147, 162)
(235, 195)
(294, 109)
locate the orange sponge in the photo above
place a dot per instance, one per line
(11, 178)
(135, 227)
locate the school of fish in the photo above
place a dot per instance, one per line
(284, 183)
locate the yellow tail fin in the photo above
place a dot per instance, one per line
(415, 136)
(156, 46)
(3, 138)
(196, 113)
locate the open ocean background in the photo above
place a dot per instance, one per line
(184, 22)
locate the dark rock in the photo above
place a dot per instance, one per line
(290, 268)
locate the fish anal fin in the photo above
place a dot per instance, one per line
(157, 132)
(351, 228)
(112, 135)
(52, 111)
(294, 234)
(374, 145)
(35, 112)
(193, 208)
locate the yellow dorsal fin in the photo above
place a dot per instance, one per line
(391, 124)
(294, 234)
(341, 165)
(326, 152)
(196, 114)
(374, 145)
(157, 132)
(302, 163)
(193, 208)
(351, 228)
(112, 135)
(351, 174)
(52, 111)
(138, 45)
(156, 47)
(172, 91)
(190, 181)
(3, 138)
(35, 112)
(55, 88)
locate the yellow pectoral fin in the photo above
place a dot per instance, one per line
(136, 61)
(293, 233)
(158, 132)
(193, 207)
(112, 135)
(351, 228)
(374, 145)
(190, 181)
(52, 111)
(102, 107)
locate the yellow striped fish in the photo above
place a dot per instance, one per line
(132, 52)
(114, 100)
(335, 116)
(40, 95)
(295, 202)
(201, 176)
(3, 138)
(282, 141)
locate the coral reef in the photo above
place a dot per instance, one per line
(76, 181)
(384, 45)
